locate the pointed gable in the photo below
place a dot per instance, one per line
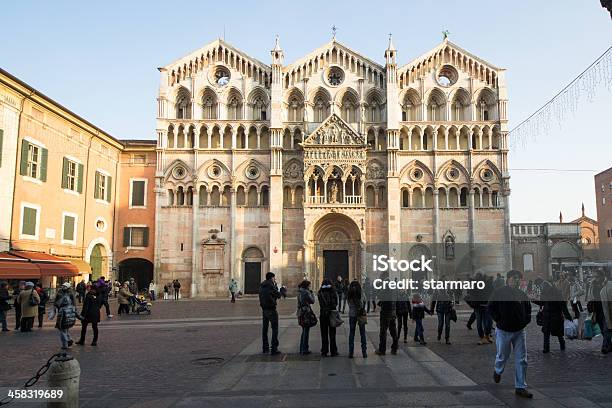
(333, 53)
(334, 132)
(448, 52)
(215, 52)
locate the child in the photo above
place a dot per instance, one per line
(418, 314)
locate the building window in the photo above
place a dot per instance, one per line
(139, 158)
(102, 187)
(69, 228)
(527, 262)
(72, 175)
(138, 193)
(136, 237)
(33, 161)
(30, 216)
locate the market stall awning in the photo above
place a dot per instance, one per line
(15, 267)
(83, 267)
(49, 265)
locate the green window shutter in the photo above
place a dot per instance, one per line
(69, 228)
(138, 193)
(1, 140)
(126, 236)
(80, 177)
(65, 173)
(23, 165)
(145, 237)
(43, 164)
(96, 185)
(109, 188)
(29, 221)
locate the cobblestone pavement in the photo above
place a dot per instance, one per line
(206, 354)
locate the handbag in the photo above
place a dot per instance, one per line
(540, 317)
(588, 329)
(306, 317)
(32, 301)
(570, 329)
(334, 318)
(453, 315)
(596, 330)
(362, 316)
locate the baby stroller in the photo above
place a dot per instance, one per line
(141, 305)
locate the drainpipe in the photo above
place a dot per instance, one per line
(85, 179)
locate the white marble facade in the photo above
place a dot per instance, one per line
(265, 166)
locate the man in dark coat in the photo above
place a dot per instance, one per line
(16, 293)
(328, 302)
(103, 292)
(81, 288)
(554, 309)
(268, 295)
(4, 304)
(387, 322)
(90, 315)
(511, 310)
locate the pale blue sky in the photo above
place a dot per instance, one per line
(100, 61)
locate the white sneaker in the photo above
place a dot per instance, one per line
(110, 316)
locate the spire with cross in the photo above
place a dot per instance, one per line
(445, 35)
(334, 30)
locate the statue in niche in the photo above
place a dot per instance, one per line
(334, 193)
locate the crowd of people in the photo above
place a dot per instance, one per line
(504, 304)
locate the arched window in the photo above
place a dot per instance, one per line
(183, 104)
(287, 197)
(321, 104)
(203, 196)
(411, 105)
(487, 105)
(189, 197)
(460, 105)
(240, 196)
(265, 196)
(349, 107)
(180, 196)
(436, 106)
(417, 198)
(209, 105)
(225, 197)
(170, 197)
(405, 198)
(252, 197)
(449, 248)
(296, 107)
(463, 197)
(215, 197)
(234, 107)
(370, 197)
(298, 197)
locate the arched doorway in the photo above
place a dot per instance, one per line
(252, 258)
(336, 248)
(98, 260)
(138, 268)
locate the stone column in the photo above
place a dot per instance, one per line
(159, 199)
(195, 239)
(436, 216)
(507, 232)
(234, 263)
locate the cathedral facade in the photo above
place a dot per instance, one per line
(300, 169)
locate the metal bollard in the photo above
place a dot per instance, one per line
(65, 373)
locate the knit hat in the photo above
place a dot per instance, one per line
(29, 284)
(66, 285)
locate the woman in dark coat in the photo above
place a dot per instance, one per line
(328, 302)
(554, 310)
(90, 314)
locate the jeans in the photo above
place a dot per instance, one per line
(125, 309)
(3, 320)
(387, 323)
(444, 323)
(41, 316)
(328, 335)
(106, 306)
(419, 331)
(483, 321)
(402, 320)
(176, 294)
(233, 297)
(94, 327)
(17, 316)
(269, 317)
(304, 340)
(547, 341)
(65, 337)
(362, 334)
(505, 342)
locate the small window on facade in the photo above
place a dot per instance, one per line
(69, 228)
(33, 161)
(139, 158)
(29, 221)
(138, 193)
(136, 237)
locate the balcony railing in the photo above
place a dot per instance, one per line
(350, 200)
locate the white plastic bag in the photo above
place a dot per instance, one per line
(571, 329)
(51, 313)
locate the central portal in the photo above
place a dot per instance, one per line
(336, 264)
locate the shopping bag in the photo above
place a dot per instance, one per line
(588, 329)
(570, 329)
(334, 319)
(596, 330)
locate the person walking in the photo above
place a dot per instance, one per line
(328, 302)
(387, 323)
(370, 294)
(233, 288)
(595, 305)
(133, 287)
(576, 292)
(339, 291)
(166, 291)
(356, 300)
(442, 303)
(554, 310)
(152, 290)
(402, 310)
(5, 306)
(177, 289)
(116, 287)
(511, 310)
(484, 322)
(417, 314)
(91, 315)
(305, 299)
(606, 302)
(81, 288)
(268, 295)
(103, 290)
(28, 300)
(16, 292)
(124, 299)
(44, 298)
(66, 314)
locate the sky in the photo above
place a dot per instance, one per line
(99, 59)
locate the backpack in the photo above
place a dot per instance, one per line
(306, 317)
(67, 316)
(32, 301)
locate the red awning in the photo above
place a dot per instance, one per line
(14, 267)
(48, 265)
